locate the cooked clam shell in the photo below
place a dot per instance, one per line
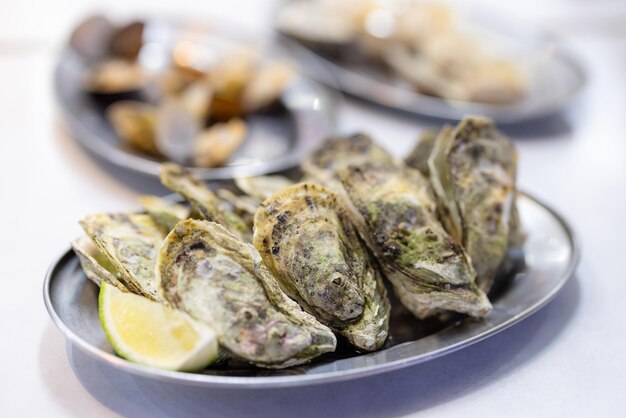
(307, 240)
(473, 173)
(96, 267)
(217, 143)
(164, 213)
(131, 243)
(262, 187)
(115, 76)
(266, 85)
(203, 200)
(207, 272)
(135, 123)
(396, 212)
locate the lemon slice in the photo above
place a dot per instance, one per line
(153, 334)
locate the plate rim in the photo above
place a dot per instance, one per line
(80, 132)
(267, 382)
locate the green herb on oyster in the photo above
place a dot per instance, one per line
(207, 272)
(307, 240)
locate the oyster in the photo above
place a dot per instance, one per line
(135, 123)
(131, 243)
(309, 243)
(215, 144)
(96, 267)
(473, 170)
(262, 187)
(203, 200)
(208, 273)
(395, 211)
(244, 206)
(337, 153)
(165, 214)
(418, 157)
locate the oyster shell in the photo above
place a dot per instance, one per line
(203, 200)
(244, 206)
(311, 247)
(473, 171)
(135, 123)
(208, 273)
(165, 214)
(96, 267)
(337, 153)
(131, 243)
(262, 187)
(215, 144)
(418, 157)
(395, 211)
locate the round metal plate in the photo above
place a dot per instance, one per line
(277, 139)
(550, 256)
(555, 76)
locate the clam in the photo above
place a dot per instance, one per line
(308, 242)
(207, 272)
(473, 171)
(203, 200)
(217, 143)
(115, 76)
(135, 123)
(130, 242)
(266, 85)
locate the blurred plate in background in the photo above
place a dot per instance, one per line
(277, 138)
(554, 75)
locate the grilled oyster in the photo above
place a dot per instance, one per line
(473, 170)
(262, 187)
(208, 273)
(203, 200)
(96, 267)
(165, 214)
(396, 212)
(309, 243)
(418, 157)
(337, 153)
(131, 243)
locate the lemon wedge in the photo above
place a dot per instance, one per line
(152, 334)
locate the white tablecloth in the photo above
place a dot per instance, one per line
(567, 360)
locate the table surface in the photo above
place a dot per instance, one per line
(567, 360)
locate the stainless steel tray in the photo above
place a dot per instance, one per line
(277, 140)
(537, 274)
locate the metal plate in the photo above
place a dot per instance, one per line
(550, 256)
(555, 75)
(277, 139)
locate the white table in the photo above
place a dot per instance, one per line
(567, 360)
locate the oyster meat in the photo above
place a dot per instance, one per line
(308, 242)
(165, 214)
(473, 171)
(203, 200)
(131, 243)
(396, 212)
(96, 267)
(207, 272)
